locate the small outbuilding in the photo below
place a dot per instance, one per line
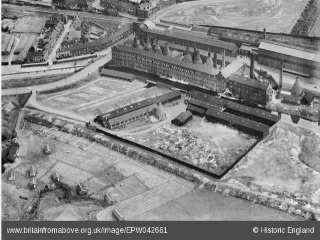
(182, 118)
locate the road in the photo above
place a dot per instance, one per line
(64, 82)
(15, 44)
(65, 31)
(46, 11)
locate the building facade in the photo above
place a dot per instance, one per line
(187, 39)
(139, 111)
(72, 49)
(199, 75)
(249, 90)
(140, 8)
(290, 59)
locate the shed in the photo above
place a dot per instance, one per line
(291, 99)
(182, 118)
(307, 98)
(196, 110)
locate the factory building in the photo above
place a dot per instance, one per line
(187, 38)
(139, 111)
(158, 60)
(140, 8)
(289, 58)
(189, 68)
(249, 89)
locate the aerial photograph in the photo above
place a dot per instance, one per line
(160, 110)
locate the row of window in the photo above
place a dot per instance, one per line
(129, 120)
(166, 69)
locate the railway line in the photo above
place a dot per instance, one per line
(81, 14)
(61, 83)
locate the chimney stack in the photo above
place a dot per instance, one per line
(281, 76)
(265, 34)
(252, 65)
(223, 64)
(215, 60)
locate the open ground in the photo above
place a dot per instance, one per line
(275, 15)
(139, 191)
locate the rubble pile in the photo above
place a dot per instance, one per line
(183, 144)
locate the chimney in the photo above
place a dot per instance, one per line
(166, 50)
(223, 64)
(265, 34)
(196, 57)
(215, 60)
(281, 76)
(252, 65)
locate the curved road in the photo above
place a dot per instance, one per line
(64, 82)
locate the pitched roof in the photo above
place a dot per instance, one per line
(193, 37)
(290, 50)
(247, 81)
(190, 66)
(296, 89)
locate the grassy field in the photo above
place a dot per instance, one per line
(85, 99)
(140, 191)
(275, 15)
(286, 161)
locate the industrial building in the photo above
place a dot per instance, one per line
(121, 117)
(182, 118)
(289, 58)
(191, 39)
(189, 69)
(161, 64)
(140, 8)
(241, 123)
(249, 90)
(200, 102)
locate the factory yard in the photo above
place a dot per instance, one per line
(211, 146)
(290, 167)
(100, 96)
(275, 15)
(139, 191)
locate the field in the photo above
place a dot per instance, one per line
(106, 171)
(291, 165)
(29, 24)
(100, 96)
(139, 191)
(275, 15)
